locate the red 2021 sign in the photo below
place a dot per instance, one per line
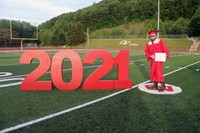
(92, 82)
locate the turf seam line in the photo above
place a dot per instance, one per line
(82, 105)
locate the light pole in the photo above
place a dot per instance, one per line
(88, 37)
(158, 28)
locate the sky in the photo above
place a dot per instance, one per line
(39, 11)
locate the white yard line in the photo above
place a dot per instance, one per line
(16, 64)
(16, 76)
(83, 105)
(24, 75)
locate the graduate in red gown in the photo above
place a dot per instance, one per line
(156, 46)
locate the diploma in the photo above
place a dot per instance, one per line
(161, 57)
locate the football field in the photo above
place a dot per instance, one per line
(101, 111)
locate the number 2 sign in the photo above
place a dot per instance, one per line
(92, 82)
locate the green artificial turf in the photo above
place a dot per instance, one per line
(131, 111)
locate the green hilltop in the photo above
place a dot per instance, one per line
(116, 18)
(119, 17)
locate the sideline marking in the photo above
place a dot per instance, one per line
(131, 62)
(39, 62)
(68, 69)
(11, 84)
(5, 74)
(82, 105)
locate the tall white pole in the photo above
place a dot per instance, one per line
(158, 28)
(88, 38)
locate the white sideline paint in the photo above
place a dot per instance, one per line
(11, 84)
(82, 105)
(16, 76)
(131, 62)
(5, 74)
(38, 62)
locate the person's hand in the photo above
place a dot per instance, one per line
(152, 56)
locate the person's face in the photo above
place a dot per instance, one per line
(152, 37)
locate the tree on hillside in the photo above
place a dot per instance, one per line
(5, 40)
(44, 35)
(76, 35)
(19, 30)
(5, 37)
(194, 27)
(174, 9)
(111, 13)
(146, 9)
(181, 26)
(58, 37)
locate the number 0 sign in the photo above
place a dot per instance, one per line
(92, 82)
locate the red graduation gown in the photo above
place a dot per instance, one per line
(158, 45)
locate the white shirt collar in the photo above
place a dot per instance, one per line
(154, 42)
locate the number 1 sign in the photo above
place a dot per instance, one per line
(92, 82)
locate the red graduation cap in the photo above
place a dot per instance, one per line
(153, 32)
